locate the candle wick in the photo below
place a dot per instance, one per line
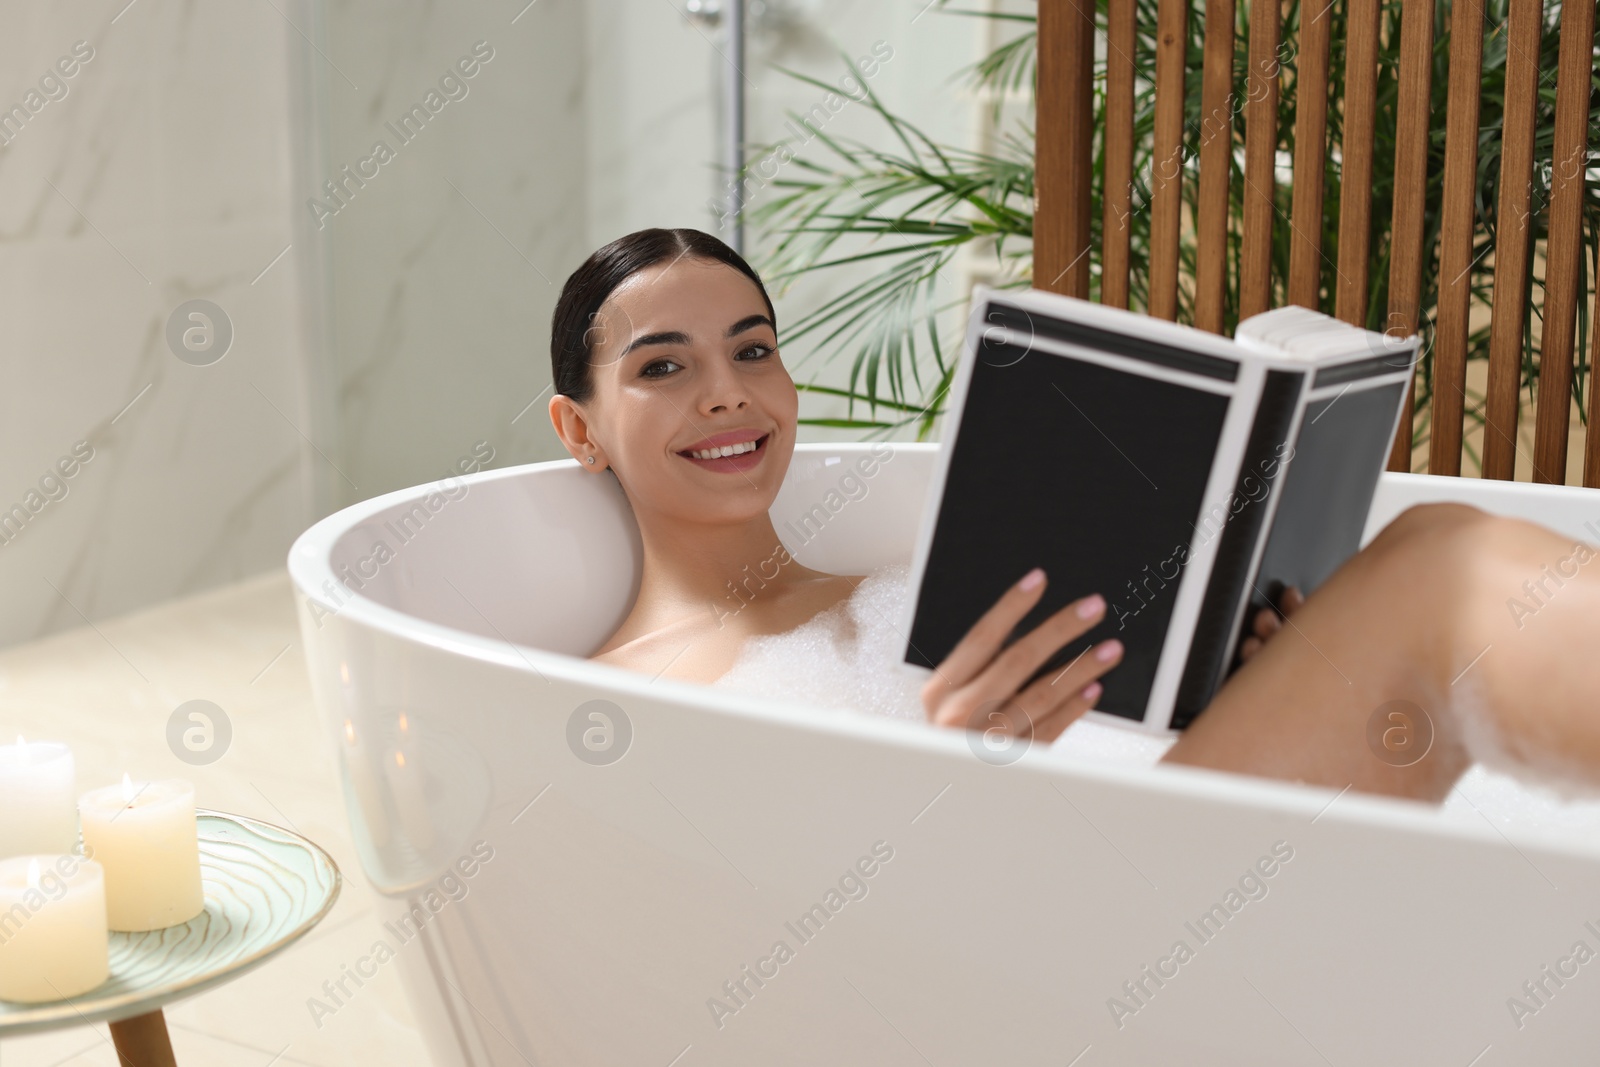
(127, 785)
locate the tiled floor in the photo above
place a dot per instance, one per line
(107, 690)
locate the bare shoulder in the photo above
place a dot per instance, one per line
(703, 651)
(685, 653)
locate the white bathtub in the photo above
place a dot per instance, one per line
(622, 900)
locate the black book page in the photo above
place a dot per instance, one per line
(1094, 474)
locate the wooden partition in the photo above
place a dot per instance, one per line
(1236, 199)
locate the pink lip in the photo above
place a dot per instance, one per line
(731, 437)
(741, 462)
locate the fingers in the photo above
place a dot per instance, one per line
(1049, 718)
(1052, 688)
(1267, 623)
(981, 676)
(1027, 654)
(1041, 699)
(1067, 713)
(974, 651)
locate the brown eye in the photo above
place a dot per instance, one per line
(761, 351)
(649, 369)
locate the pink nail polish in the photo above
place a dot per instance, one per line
(1091, 606)
(1108, 651)
(1032, 579)
(1091, 692)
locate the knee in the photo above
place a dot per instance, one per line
(1439, 538)
(1434, 521)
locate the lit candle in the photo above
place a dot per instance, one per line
(52, 928)
(143, 834)
(38, 791)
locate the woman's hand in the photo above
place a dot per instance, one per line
(977, 684)
(1268, 622)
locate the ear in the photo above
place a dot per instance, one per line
(572, 426)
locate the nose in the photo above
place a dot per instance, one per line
(723, 388)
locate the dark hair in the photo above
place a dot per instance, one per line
(593, 282)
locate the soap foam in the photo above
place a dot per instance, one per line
(849, 658)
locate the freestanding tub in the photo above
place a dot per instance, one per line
(593, 867)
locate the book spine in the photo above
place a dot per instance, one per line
(1242, 524)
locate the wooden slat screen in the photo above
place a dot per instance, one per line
(1458, 228)
(1166, 178)
(1260, 157)
(1410, 195)
(1063, 255)
(1216, 167)
(1509, 314)
(1117, 199)
(1563, 266)
(1310, 139)
(1355, 190)
(1063, 162)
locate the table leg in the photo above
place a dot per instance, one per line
(142, 1041)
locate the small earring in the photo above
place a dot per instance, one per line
(588, 459)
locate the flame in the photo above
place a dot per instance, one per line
(33, 874)
(349, 732)
(405, 724)
(400, 759)
(127, 788)
(344, 672)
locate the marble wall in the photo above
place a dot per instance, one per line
(443, 267)
(147, 160)
(378, 202)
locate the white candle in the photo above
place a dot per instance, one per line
(143, 834)
(38, 799)
(52, 928)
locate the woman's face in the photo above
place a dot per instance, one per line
(685, 360)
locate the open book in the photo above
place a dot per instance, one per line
(1185, 477)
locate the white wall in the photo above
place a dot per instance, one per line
(163, 175)
(444, 268)
(395, 333)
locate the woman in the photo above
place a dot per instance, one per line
(665, 357)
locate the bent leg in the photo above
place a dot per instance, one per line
(1421, 615)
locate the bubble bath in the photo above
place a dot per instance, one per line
(848, 658)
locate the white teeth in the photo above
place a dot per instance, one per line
(725, 450)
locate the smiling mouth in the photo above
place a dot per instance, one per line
(737, 461)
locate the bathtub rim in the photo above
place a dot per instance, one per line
(309, 567)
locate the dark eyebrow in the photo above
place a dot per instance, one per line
(750, 322)
(672, 338)
(675, 337)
